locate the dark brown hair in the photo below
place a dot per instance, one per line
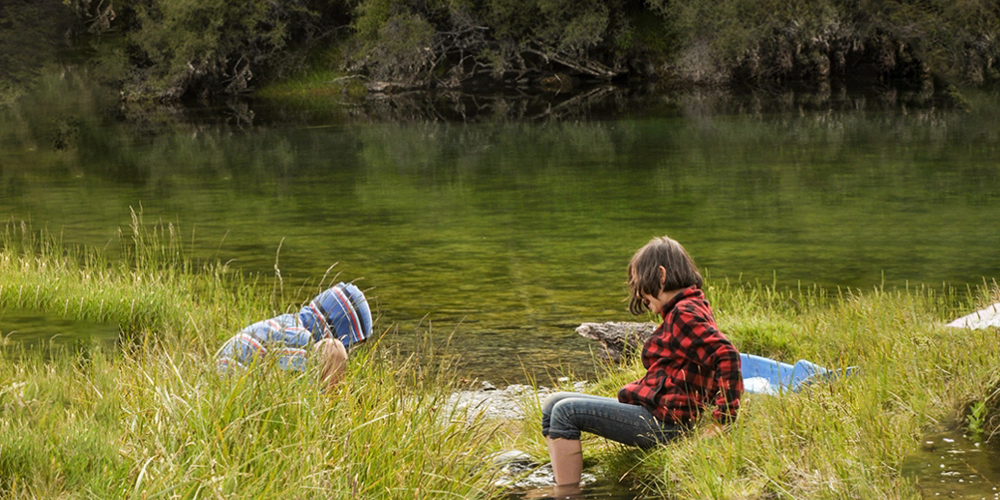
(644, 271)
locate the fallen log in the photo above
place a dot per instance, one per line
(619, 340)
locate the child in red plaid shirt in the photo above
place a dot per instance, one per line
(689, 364)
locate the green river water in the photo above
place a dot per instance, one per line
(500, 233)
(504, 235)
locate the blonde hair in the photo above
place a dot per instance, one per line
(644, 274)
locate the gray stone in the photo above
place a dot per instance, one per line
(618, 339)
(518, 471)
(507, 403)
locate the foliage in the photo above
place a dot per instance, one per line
(184, 48)
(976, 418)
(447, 43)
(714, 42)
(782, 39)
(200, 48)
(26, 44)
(214, 46)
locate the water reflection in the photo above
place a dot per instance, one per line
(35, 332)
(603, 102)
(597, 490)
(952, 464)
(502, 235)
(591, 492)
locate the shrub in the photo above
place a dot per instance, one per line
(187, 47)
(26, 44)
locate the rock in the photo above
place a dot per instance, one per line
(507, 403)
(517, 471)
(979, 320)
(619, 339)
(511, 466)
(516, 458)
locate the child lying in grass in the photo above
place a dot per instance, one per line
(329, 325)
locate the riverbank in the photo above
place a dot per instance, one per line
(153, 418)
(162, 50)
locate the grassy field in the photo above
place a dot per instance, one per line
(845, 439)
(152, 418)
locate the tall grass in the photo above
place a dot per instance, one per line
(156, 420)
(844, 439)
(160, 423)
(153, 419)
(151, 289)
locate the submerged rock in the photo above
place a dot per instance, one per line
(512, 466)
(507, 403)
(517, 470)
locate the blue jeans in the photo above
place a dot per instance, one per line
(566, 414)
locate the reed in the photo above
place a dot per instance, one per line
(154, 419)
(844, 439)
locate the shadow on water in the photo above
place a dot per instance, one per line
(593, 102)
(952, 464)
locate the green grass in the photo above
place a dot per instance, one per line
(319, 83)
(845, 439)
(322, 92)
(315, 84)
(153, 419)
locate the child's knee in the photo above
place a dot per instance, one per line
(561, 423)
(554, 398)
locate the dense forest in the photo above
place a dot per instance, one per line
(176, 49)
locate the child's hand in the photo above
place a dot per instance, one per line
(332, 361)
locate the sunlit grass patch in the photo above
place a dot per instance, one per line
(59, 425)
(845, 438)
(155, 419)
(316, 84)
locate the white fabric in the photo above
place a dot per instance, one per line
(758, 385)
(980, 320)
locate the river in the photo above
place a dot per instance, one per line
(499, 234)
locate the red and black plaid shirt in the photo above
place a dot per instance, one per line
(689, 364)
